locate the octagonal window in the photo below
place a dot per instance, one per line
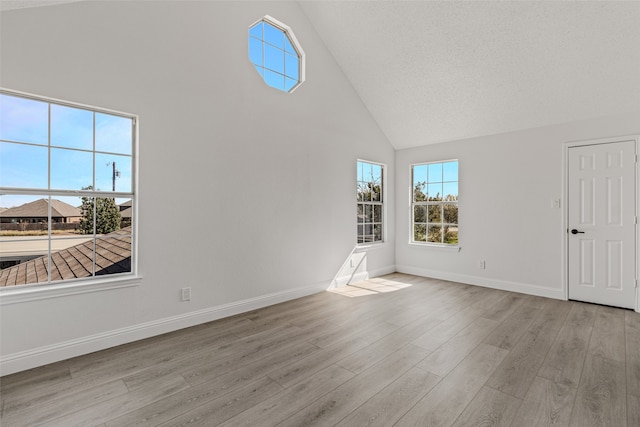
(276, 54)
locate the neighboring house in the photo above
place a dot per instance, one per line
(38, 211)
(126, 212)
(112, 251)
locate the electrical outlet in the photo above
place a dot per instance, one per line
(482, 265)
(186, 294)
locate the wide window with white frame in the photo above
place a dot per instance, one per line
(434, 207)
(67, 191)
(370, 202)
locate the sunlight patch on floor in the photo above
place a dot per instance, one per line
(369, 287)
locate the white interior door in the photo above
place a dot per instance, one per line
(602, 223)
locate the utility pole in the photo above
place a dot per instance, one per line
(116, 174)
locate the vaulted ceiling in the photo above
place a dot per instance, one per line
(433, 71)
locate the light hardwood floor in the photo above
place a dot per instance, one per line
(397, 350)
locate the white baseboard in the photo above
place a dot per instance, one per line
(483, 281)
(24, 360)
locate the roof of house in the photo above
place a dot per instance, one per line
(113, 255)
(126, 213)
(40, 209)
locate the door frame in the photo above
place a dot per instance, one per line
(565, 208)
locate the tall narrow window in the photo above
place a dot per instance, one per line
(276, 54)
(66, 189)
(370, 199)
(435, 203)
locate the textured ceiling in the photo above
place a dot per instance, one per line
(439, 71)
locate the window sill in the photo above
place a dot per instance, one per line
(26, 293)
(452, 248)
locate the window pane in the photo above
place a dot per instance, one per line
(451, 235)
(368, 213)
(419, 233)
(24, 120)
(419, 174)
(435, 213)
(72, 258)
(255, 51)
(450, 190)
(289, 47)
(435, 234)
(23, 262)
(105, 175)
(364, 192)
(419, 214)
(23, 238)
(260, 71)
(273, 79)
(435, 191)
(107, 214)
(420, 192)
(71, 169)
(376, 173)
(360, 213)
(360, 233)
(25, 216)
(113, 253)
(377, 213)
(435, 172)
(87, 212)
(71, 127)
(368, 233)
(291, 66)
(450, 171)
(367, 171)
(273, 59)
(359, 173)
(450, 213)
(256, 30)
(125, 207)
(377, 232)
(376, 193)
(273, 36)
(23, 166)
(114, 134)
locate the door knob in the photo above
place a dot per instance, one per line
(574, 231)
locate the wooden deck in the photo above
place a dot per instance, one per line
(393, 351)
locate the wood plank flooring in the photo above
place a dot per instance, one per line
(398, 350)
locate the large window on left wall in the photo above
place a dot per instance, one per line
(67, 191)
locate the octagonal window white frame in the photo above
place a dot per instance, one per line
(272, 62)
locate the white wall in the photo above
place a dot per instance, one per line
(507, 186)
(247, 194)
